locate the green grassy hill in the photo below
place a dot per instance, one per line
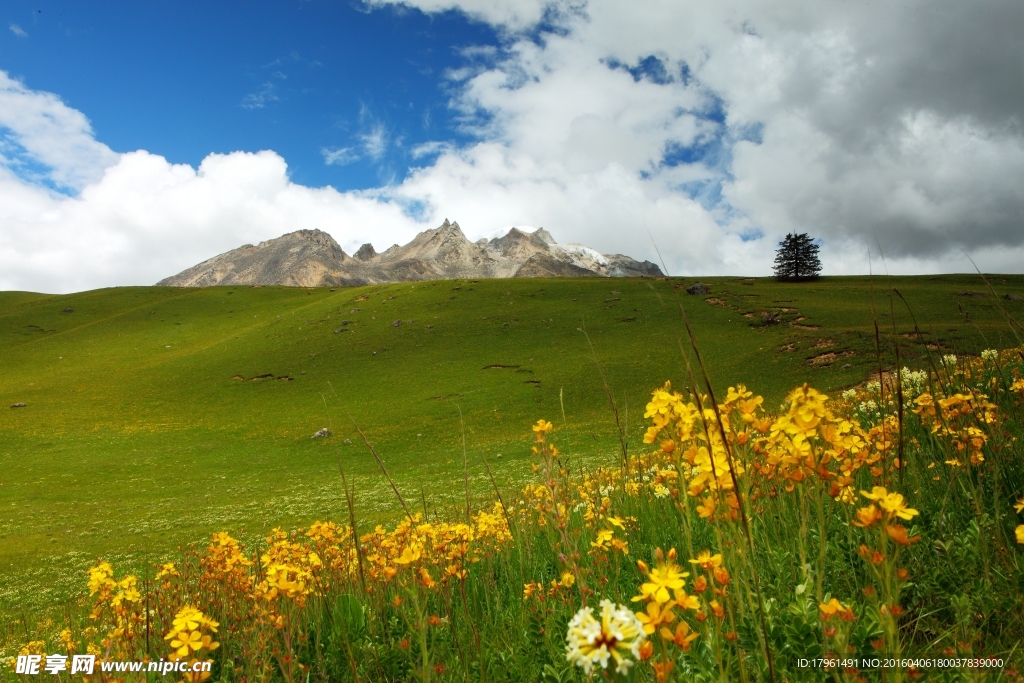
(154, 416)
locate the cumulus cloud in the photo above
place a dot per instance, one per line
(47, 140)
(147, 219)
(897, 124)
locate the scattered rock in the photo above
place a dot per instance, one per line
(238, 377)
(69, 309)
(18, 405)
(699, 288)
(1012, 297)
(612, 299)
(771, 318)
(845, 366)
(261, 377)
(322, 434)
(348, 442)
(397, 323)
(971, 294)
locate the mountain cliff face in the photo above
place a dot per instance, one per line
(311, 258)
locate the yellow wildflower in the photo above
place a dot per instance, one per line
(541, 428)
(665, 576)
(708, 561)
(654, 616)
(892, 503)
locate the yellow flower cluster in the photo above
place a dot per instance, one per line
(956, 418)
(810, 443)
(187, 638)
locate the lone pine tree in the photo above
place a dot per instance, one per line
(797, 258)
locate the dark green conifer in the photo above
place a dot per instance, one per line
(797, 258)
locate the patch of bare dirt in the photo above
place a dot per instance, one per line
(828, 357)
(715, 301)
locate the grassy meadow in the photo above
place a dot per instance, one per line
(154, 417)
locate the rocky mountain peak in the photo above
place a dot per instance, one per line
(365, 252)
(312, 258)
(544, 235)
(317, 238)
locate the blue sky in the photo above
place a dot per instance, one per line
(187, 79)
(139, 138)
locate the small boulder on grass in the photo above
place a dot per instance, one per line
(18, 405)
(699, 288)
(322, 434)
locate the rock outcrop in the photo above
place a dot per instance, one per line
(311, 258)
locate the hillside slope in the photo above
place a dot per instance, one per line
(155, 415)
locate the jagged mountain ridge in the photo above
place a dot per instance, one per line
(311, 258)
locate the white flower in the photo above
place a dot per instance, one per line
(913, 382)
(868, 406)
(617, 636)
(949, 359)
(873, 387)
(849, 394)
(990, 355)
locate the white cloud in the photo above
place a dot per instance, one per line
(148, 219)
(375, 141)
(426, 149)
(339, 156)
(45, 138)
(259, 99)
(18, 31)
(900, 123)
